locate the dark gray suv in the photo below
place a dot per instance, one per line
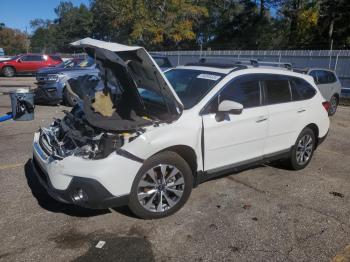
(52, 82)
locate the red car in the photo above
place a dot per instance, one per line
(27, 64)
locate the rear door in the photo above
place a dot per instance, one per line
(238, 137)
(283, 114)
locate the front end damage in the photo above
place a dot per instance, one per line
(74, 136)
(78, 158)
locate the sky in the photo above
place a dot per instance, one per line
(18, 13)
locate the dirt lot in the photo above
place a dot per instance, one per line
(262, 214)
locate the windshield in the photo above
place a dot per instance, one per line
(192, 85)
(66, 64)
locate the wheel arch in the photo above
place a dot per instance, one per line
(315, 129)
(187, 153)
(13, 67)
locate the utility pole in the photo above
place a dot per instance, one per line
(330, 54)
(27, 41)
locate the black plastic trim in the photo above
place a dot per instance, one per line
(203, 176)
(128, 155)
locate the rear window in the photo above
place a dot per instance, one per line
(162, 61)
(301, 90)
(277, 91)
(323, 76)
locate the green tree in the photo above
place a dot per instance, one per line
(149, 23)
(13, 41)
(333, 23)
(72, 23)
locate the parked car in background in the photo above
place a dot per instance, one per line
(27, 64)
(125, 148)
(162, 61)
(328, 83)
(68, 63)
(52, 82)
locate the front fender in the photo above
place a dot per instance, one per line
(156, 139)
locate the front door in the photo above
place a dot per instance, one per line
(239, 137)
(30, 63)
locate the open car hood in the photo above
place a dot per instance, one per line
(131, 68)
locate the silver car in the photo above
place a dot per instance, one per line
(328, 83)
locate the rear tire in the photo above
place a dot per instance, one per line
(334, 101)
(69, 99)
(8, 71)
(161, 187)
(303, 150)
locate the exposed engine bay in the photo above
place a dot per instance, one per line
(73, 135)
(111, 110)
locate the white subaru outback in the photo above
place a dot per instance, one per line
(145, 139)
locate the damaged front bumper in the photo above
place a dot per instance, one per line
(90, 183)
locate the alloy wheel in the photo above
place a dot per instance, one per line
(160, 188)
(304, 149)
(8, 71)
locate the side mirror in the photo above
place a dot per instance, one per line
(230, 107)
(19, 60)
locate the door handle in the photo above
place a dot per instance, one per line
(262, 119)
(301, 110)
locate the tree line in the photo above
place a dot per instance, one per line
(192, 24)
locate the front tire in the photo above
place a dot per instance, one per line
(303, 150)
(8, 71)
(333, 105)
(161, 187)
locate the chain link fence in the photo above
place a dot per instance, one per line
(337, 60)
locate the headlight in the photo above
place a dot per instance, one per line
(52, 78)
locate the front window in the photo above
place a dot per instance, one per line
(192, 85)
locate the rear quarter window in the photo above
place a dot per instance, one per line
(301, 89)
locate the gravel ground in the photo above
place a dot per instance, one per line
(262, 214)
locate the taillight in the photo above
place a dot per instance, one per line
(326, 105)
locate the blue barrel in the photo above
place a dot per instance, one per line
(22, 103)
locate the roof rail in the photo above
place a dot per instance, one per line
(204, 63)
(237, 62)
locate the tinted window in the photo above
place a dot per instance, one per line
(301, 89)
(243, 91)
(192, 85)
(323, 76)
(277, 91)
(162, 61)
(32, 58)
(314, 75)
(56, 58)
